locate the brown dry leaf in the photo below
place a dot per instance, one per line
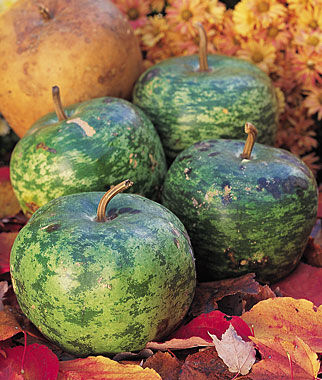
(239, 356)
(287, 317)
(264, 293)
(313, 253)
(166, 365)
(6, 241)
(102, 368)
(3, 290)
(9, 204)
(179, 344)
(209, 293)
(285, 360)
(204, 365)
(8, 324)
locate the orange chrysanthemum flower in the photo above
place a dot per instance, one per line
(135, 10)
(312, 40)
(226, 41)
(259, 53)
(157, 5)
(183, 15)
(313, 101)
(250, 14)
(306, 66)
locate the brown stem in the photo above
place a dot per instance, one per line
(250, 141)
(44, 12)
(101, 209)
(203, 61)
(57, 103)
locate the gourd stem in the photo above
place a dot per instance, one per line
(101, 209)
(57, 103)
(44, 13)
(250, 141)
(203, 61)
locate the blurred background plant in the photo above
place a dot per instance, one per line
(282, 37)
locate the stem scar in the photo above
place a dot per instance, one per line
(89, 131)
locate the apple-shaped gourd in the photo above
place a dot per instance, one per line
(245, 211)
(91, 146)
(103, 273)
(86, 47)
(193, 98)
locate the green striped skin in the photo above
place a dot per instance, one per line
(103, 142)
(242, 215)
(187, 106)
(103, 287)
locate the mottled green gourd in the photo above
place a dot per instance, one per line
(246, 210)
(193, 98)
(88, 147)
(103, 273)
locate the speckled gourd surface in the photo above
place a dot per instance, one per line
(242, 215)
(103, 141)
(103, 287)
(187, 106)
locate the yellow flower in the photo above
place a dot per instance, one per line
(258, 52)
(313, 101)
(153, 31)
(214, 12)
(249, 14)
(157, 5)
(184, 14)
(310, 18)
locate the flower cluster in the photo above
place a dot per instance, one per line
(282, 37)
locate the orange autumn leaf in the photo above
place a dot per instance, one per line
(287, 317)
(285, 360)
(102, 368)
(8, 324)
(179, 344)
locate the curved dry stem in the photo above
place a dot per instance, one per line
(57, 103)
(203, 50)
(101, 209)
(251, 131)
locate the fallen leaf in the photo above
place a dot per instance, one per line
(287, 317)
(264, 293)
(319, 214)
(313, 253)
(102, 368)
(13, 223)
(304, 282)
(179, 344)
(3, 290)
(209, 293)
(285, 360)
(6, 242)
(37, 363)
(238, 355)
(214, 322)
(204, 365)
(8, 324)
(9, 204)
(166, 365)
(143, 354)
